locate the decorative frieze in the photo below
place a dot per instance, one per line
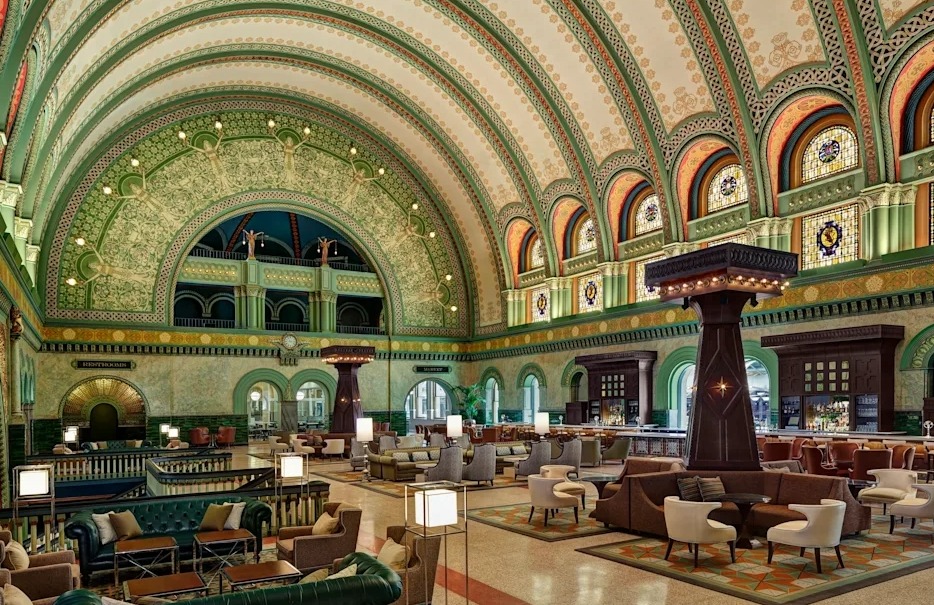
(641, 246)
(718, 223)
(825, 192)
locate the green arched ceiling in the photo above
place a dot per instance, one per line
(481, 112)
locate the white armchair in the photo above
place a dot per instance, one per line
(916, 508)
(333, 447)
(299, 447)
(566, 486)
(894, 484)
(822, 529)
(543, 495)
(687, 522)
(275, 446)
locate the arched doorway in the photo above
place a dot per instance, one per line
(492, 401)
(531, 397)
(757, 376)
(104, 421)
(263, 402)
(311, 405)
(427, 403)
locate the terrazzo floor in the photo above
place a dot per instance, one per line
(506, 568)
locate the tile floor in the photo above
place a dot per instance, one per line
(506, 568)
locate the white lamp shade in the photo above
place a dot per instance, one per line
(164, 428)
(291, 467)
(541, 423)
(71, 434)
(35, 482)
(436, 507)
(455, 426)
(364, 429)
(173, 432)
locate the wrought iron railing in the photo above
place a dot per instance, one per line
(285, 326)
(283, 260)
(106, 464)
(360, 330)
(203, 322)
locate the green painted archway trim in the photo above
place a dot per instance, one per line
(445, 385)
(769, 359)
(665, 397)
(314, 375)
(241, 391)
(493, 373)
(569, 371)
(530, 369)
(120, 411)
(918, 352)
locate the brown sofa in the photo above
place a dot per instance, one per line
(390, 467)
(47, 577)
(638, 504)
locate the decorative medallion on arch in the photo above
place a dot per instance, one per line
(81, 399)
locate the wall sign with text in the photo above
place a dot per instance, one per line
(102, 364)
(432, 369)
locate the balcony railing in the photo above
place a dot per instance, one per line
(203, 322)
(104, 464)
(283, 260)
(360, 330)
(284, 326)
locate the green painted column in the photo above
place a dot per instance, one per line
(561, 296)
(250, 306)
(614, 283)
(515, 307)
(888, 219)
(771, 232)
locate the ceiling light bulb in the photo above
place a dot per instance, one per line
(381, 171)
(453, 308)
(414, 206)
(218, 125)
(80, 241)
(431, 234)
(353, 150)
(307, 130)
(271, 123)
(448, 277)
(134, 162)
(71, 281)
(182, 135)
(107, 190)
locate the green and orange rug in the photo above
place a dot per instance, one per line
(515, 518)
(870, 558)
(396, 489)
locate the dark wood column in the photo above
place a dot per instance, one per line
(717, 283)
(347, 406)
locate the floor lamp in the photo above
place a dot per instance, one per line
(289, 465)
(365, 436)
(437, 514)
(542, 425)
(35, 483)
(455, 428)
(163, 431)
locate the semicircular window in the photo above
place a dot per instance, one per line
(832, 150)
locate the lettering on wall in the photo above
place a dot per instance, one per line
(432, 369)
(102, 364)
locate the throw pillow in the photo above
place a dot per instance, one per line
(434, 454)
(519, 450)
(711, 488)
(15, 557)
(780, 469)
(326, 524)
(236, 515)
(392, 554)
(503, 450)
(104, 527)
(689, 489)
(215, 517)
(401, 456)
(315, 576)
(350, 570)
(14, 596)
(420, 457)
(102, 445)
(93, 446)
(125, 525)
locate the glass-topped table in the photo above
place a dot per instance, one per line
(599, 480)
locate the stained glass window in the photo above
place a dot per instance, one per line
(736, 238)
(586, 236)
(648, 215)
(589, 293)
(541, 303)
(642, 292)
(830, 237)
(537, 254)
(832, 150)
(727, 188)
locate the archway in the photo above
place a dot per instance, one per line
(103, 420)
(428, 402)
(264, 406)
(682, 390)
(531, 397)
(491, 401)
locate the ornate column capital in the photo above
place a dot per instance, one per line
(886, 194)
(22, 228)
(613, 268)
(679, 248)
(10, 194)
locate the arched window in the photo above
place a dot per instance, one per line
(832, 150)
(585, 237)
(533, 253)
(531, 398)
(311, 404)
(427, 401)
(492, 401)
(648, 215)
(727, 188)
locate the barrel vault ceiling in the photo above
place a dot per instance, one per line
(479, 112)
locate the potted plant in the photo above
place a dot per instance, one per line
(472, 398)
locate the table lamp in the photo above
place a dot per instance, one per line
(364, 436)
(541, 424)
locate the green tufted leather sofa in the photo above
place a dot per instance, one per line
(374, 584)
(171, 516)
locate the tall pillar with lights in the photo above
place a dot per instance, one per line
(717, 283)
(347, 361)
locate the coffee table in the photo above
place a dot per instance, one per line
(254, 573)
(222, 545)
(510, 470)
(164, 586)
(744, 502)
(599, 480)
(159, 548)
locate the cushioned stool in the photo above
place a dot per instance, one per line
(567, 486)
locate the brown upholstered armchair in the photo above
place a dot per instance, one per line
(199, 436)
(307, 552)
(48, 575)
(421, 566)
(226, 435)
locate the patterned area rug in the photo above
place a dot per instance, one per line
(396, 489)
(515, 518)
(310, 461)
(870, 558)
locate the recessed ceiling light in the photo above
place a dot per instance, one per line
(107, 190)
(80, 241)
(71, 281)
